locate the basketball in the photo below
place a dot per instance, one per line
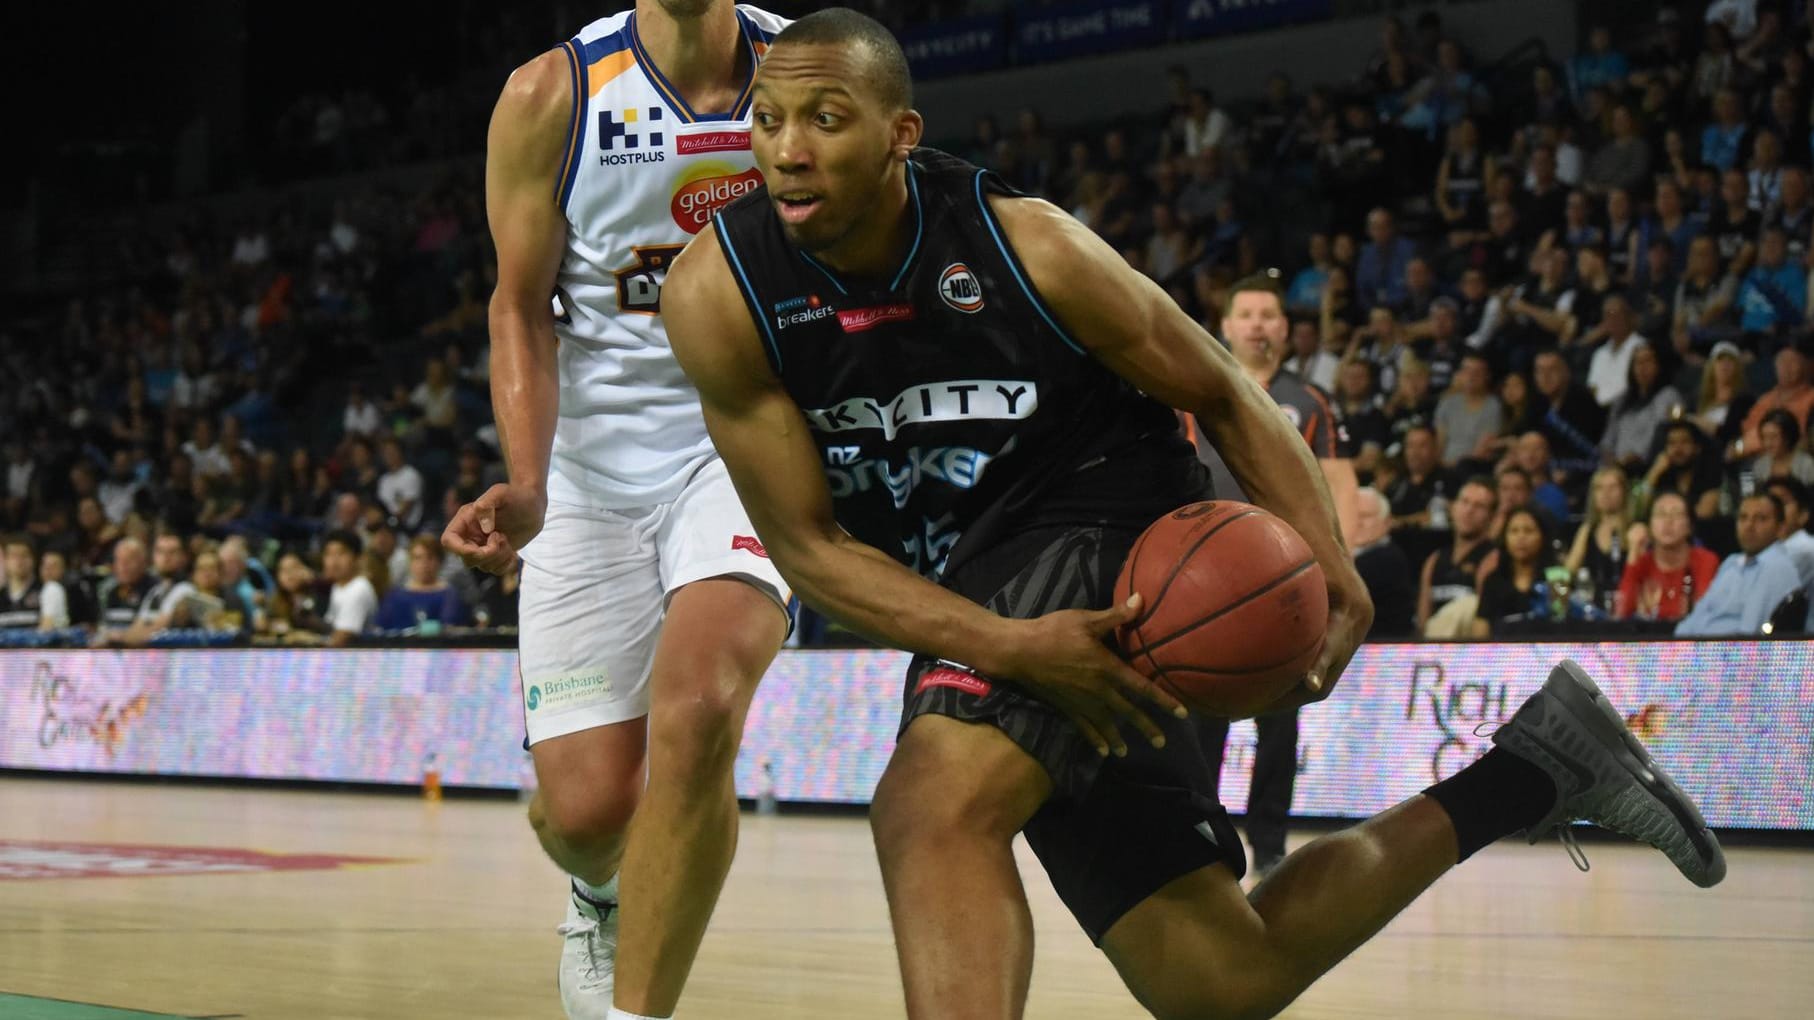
(1234, 607)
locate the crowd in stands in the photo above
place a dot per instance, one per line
(1560, 305)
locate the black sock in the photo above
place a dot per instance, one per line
(1494, 797)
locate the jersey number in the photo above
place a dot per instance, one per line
(639, 286)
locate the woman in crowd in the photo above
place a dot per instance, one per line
(1600, 541)
(1649, 401)
(425, 596)
(1780, 454)
(1508, 593)
(212, 606)
(1726, 396)
(295, 608)
(1663, 581)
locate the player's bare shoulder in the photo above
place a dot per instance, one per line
(1041, 232)
(709, 329)
(536, 104)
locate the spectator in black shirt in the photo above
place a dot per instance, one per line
(1543, 201)
(1357, 405)
(1509, 593)
(1438, 342)
(1504, 254)
(1383, 567)
(78, 593)
(1593, 285)
(1422, 480)
(1735, 226)
(1566, 414)
(1685, 468)
(121, 597)
(1793, 213)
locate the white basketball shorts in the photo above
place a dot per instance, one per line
(596, 584)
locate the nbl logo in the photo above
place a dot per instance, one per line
(958, 286)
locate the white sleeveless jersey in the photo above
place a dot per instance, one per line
(642, 174)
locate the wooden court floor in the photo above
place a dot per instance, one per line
(462, 925)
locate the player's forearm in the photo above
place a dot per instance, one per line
(860, 587)
(525, 389)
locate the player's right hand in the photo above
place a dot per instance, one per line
(1065, 659)
(488, 532)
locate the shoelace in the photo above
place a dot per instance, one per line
(1566, 833)
(588, 929)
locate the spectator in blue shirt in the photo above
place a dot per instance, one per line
(425, 597)
(1305, 295)
(1775, 292)
(1379, 279)
(1752, 582)
(1723, 141)
(1600, 65)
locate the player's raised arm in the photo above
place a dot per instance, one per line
(766, 445)
(1132, 326)
(523, 156)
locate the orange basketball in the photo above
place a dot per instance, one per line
(1234, 607)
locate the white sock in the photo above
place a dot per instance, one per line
(618, 1014)
(606, 893)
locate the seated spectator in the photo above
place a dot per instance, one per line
(1779, 453)
(362, 417)
(119, 493)
(1624, 237)
(1423, 479)
(1670, 221)
(400, 488)
(1662, 582)
(1637, 419)
(210, 604)
(1622, 162)
(1531, 452)
(1411, 403)
(1537, 312)
(1439, 342)
(1793, 213)
(1515, 491)
(124, 595)
(1685, 469)
(1309, 361)
(1358, 407)
(1305, 295)
(1610, 367)
(1381, 344)
(95, 534)
(1594, 286)
(204, 449)
(1764, 175)
(352, 601)
(1600, 65)
(1451, 572)
(1383, 567)
(1793, 393)
(1567, 414)
(1468, 417)
(28, 603)
(1461, 183)
(1379, 278)
(1599, 543)
(1703, 301)
(1752, 582)
(495, 604)
(1795, 541)
(1773, 298)
(425, 596)
(1654, 293)
(1726, 396)
(1509, 593)
(53, 567)
(1724, 139)
(244, 575)
(1734, 227)
(293, 608)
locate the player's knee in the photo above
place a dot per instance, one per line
(583, 815)
(698, 721)
(916, 806)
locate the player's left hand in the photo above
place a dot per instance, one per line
(1350, 617)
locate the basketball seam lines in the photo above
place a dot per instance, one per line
(1232, 606)
(1178, 567)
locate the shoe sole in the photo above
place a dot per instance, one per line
(1584, 699)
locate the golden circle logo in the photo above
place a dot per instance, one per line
(707, 187)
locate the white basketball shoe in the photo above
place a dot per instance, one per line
(588, 956)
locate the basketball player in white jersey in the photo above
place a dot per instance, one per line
(649, 610)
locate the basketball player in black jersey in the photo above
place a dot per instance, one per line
(933, 396)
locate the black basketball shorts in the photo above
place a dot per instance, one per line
(1115, 830)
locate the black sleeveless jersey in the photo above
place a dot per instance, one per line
(947, 400)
